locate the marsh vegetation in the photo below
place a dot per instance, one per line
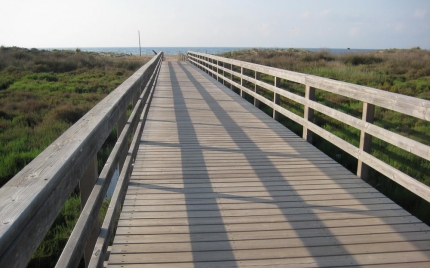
(42, 93)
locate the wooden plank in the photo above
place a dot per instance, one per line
(299, 262)
(320, 261)
(155, 202)
(248, 206)
(266, 226)
(218, 184)
(272, 243)
(271, 234)
(419, 247)
(280, 217)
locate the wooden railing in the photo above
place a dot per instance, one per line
(182, 57)
(30, 201)
(218, 67)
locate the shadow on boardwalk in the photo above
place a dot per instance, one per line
(240, 190)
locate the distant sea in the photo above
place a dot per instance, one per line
(208, 50)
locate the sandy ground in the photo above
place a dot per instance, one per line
(170, 57)
(147, 57)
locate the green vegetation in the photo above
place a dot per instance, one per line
(51, 247)
(42, 93)
(401, 71)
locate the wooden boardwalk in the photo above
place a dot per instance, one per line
(218, 183)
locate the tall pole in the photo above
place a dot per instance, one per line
(140, 49)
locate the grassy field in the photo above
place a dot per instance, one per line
(42, 93)
(401, 71)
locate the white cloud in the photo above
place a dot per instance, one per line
(420, 13)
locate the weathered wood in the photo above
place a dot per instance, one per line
(261, 244)
(276, 97)
(395, 139)
(36, 194)
(217, 71)
(100, 249)
(216, 183)
(308, 113)
(256, 90)
(365, 140)
(231, 73)
(73, 250)
(223, 73)
(86, 185)
(242, 94)
(404, 104)
(120, 127)
(290, 253)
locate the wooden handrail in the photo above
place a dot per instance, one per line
(73, 250)
(416, 107)
(30, 201)
(100, 249)
(182, 57)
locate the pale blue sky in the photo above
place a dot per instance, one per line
(226, 23)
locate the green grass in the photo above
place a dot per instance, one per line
(42, 93)
(401, 71)
(51, 247)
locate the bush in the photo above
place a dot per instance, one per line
(357, 59)
(68, 113)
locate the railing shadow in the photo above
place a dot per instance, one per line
(299, 217)
(186, 132)
(323, 233)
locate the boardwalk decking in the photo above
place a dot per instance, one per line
(217, 183)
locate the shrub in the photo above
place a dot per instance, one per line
(357, 59)
(68, 113)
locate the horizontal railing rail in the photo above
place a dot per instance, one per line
(100, 249)
(73, 250)
(371, 97)
(31, 201)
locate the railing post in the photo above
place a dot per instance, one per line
(308, 113)
(256, 90)
(276, 98)
(231, 76)
(86, 185)
(365, 140)
(223, 73)
(217, 76)
(212, 67)
(242, 93)
(136, 97)
(120, 126)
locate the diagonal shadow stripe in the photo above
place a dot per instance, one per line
(229, 122)
(186, 129)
